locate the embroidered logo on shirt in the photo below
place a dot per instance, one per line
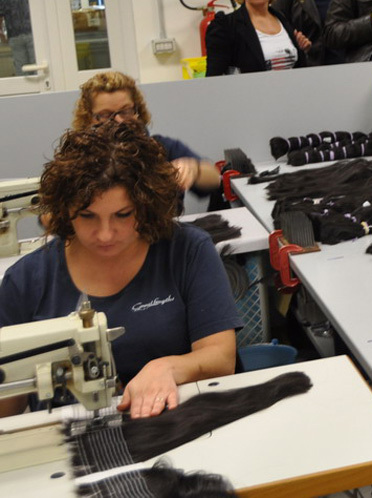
(155, 302)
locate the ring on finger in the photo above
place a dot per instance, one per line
(159, 399)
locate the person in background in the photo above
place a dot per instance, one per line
(308, 16)
(114, 95)
(111, 197)
(15, 17)
(253, 38)
(348, 27)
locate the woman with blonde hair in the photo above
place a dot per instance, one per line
(114, 95)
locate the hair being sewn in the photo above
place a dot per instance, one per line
(109, 82)
(149, 437)
(89, 162)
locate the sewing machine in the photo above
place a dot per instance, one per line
(18, 199)
(72, 352)
(304, 446)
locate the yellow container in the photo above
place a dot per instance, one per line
(194, 67)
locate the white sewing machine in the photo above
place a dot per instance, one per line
(18, 199)
(72, 352)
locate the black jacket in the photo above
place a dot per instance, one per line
(232, 41)
(348, 26)
(304, 16)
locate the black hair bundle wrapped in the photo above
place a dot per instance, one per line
(332, 152)
(280, 146)
(129, 441)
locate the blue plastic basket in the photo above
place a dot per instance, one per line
(258, 356)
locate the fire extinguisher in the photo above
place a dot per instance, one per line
(208, 16)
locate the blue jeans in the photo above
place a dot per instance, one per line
(23, 51)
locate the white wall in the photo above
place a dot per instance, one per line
(210, 114)
(180, 23)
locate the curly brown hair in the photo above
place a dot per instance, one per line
(89, 162)
(109, 81)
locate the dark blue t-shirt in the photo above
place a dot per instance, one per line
(180, 295)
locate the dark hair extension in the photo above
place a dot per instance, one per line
(265, 176)
(136, 440)
(334, 229)
(236, 159)
(217, 227)
(329, 153)
(166, 482)
(339, 179)
(280, 146)
(339, 204)
(220, 229)
(236, 274)
(162, 481)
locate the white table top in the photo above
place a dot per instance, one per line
(253, 235)
(327, 430)
(338, 277)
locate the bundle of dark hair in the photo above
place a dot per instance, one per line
(331, 152)
(280, 146)
(160, 481)
(220, 230)
(217, 227)
(126, 441)
(237, 160)
(234, 159)
(337, 199)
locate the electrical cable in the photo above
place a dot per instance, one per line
(190, 8)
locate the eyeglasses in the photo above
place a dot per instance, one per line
(127, 112)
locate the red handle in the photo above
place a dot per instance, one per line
(285, 270)
(229, 196)
(274, 248)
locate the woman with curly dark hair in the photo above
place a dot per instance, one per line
(114, 95)
(112, 197)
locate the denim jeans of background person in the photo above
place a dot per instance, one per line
(15, 18)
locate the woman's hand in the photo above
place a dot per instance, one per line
(155, 386)
(188, 171)
(151, 390)
(303, 42)
(196, 172)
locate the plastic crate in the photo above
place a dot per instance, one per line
(258, 356)
(252, 307)
(194, 67)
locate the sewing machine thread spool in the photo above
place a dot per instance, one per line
(86, 313)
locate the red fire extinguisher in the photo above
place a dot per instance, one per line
(208, 16)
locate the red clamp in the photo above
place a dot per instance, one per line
(229, 196)
(279, 258)
(220, 165)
